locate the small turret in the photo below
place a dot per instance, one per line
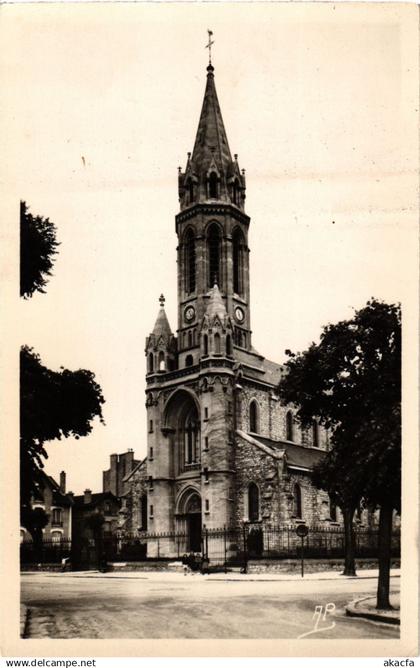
(161, 344)
(216, 327)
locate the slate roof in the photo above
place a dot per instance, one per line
(296, 456)
(257, 367)
(211, 143)
(162, 326)
(59, 499)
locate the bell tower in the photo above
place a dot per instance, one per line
(212, 230)
(191, 377)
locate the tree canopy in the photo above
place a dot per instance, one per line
(351, 380)
(38, 245)
(53, 404)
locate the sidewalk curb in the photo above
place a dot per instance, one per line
(143, 575)
(353, 609)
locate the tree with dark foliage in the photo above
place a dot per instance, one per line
(34, 519)
(38, 246)
(351, 380)
(53, 405)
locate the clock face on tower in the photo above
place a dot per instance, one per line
(189, 314)
(239, 314)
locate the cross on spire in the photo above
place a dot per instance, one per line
(209, 44)
(162, 301)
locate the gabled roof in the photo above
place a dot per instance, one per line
(136, 468)
(257, 367)
(59, 498)
(296, 456)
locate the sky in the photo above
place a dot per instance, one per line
(100, 106)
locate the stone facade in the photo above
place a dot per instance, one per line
(221, 447)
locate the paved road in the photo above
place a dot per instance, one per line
(169, 605)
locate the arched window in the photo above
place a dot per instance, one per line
(190, 339)
(297, 502)
(205, 344)
(189, 360)
(253, 502)
(161, 361)
(289, 426)
(315, 434)
(217, 343)
(238, 338)
(150, 363)
(189, 249)
(253, 417)
(228, 345)
(213, 186)
(213, 245)
(238, 261)
(191, 439)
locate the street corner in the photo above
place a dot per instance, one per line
(366, 608)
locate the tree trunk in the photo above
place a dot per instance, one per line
(349, 542)
(384, 557)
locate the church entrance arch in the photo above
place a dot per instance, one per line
(189, 519)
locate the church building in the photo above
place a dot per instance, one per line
(221, 447)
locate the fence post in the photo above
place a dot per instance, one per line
(158, 548)
(203, 541)
(245, 566)
(225, 547)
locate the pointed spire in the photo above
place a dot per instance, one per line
(162, 327)
(216, 305)
(210, 173)
(211, 144)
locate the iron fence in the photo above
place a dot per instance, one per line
(225, 546)
(45, 552)
(235, 546)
